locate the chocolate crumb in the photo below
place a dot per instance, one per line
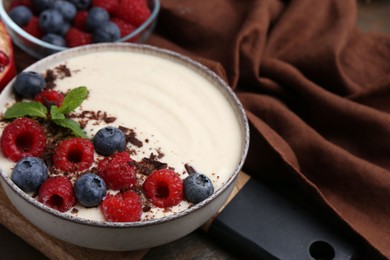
(74, 211)
(189, 168)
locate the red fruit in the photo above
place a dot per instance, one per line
(135, 12)
(74, 154)
(75, 37)
(117, 172)
(57, 193)
(26, 3)
(109, 5)
(164, 188)
(7, 64)
(33, 27)
(50, 97)
(21, 138)
(80, 19)
(124, 27)
(122, 207)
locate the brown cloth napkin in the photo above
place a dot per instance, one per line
(316, 91)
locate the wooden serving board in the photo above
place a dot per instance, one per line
(56, 249)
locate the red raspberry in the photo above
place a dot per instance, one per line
(124, 27)
(117, 172)
(49, 97)
(74, 154)
(80, 19)
(26, 3)
(21, 138)
(164, 188)
(33, 27)
(109, 5)
(57, 193)
(75, 37)
(135, 12)
(122, 207)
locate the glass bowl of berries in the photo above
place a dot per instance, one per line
(120, 157)
(43, 27)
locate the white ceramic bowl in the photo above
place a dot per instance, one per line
(129, 235)
(39, 49)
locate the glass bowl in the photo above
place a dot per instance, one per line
(39, 49)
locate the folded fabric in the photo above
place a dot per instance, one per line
(316, 91)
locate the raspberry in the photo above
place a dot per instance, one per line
(109, 5)
(21, 138)
(49, 97)
(122, 207)
(75, 37)
(21, 2)
(135, 12)
(33, 27)
(124, 27)
(117, 172)
(57, 193)
(164, 188)
(80, 19)
(74, 154)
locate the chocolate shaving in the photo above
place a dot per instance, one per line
(189, 168)
(147, 165)
(131, 136)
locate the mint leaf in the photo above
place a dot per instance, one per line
(73, 99)
(20, 109)
(59, 119)
(72, 125)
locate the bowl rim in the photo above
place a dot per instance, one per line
(191, 64)
(9, 23)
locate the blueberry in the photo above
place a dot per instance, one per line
(41, 5)
(54, 39)
(29, 84)
(109, 140)
(81, 4)
(107, 32)
(67, 9)
(21, 15)
(29, 173)
(96, 17)
(197, 187)
(90, 189)
(51, 21)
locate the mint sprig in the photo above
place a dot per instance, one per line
(57, 114)
(20, 109)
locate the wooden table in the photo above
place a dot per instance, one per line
(372, 16)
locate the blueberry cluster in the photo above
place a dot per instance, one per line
(56, 17)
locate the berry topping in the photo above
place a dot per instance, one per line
(41, 5)
(96, 17)
(21, 15)
(117, 172)
(124, 27)
(80, 20)
(81, 4)
(29, 84)
(49, 98)
(51, 21)
(57, 193)
(109, 140)
(107, 32)
(54, 39)
(75, 37)
(197, 187)
(109, 5)
(122, 207)
(29, 173)
(74, 154)
(90, 189)
(164, 188)
(135, 12)
(67, 9)
(33, 27)
(22, 138)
